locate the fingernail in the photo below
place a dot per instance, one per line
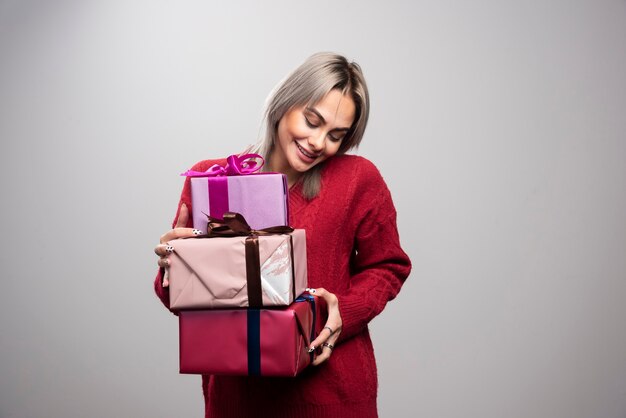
(169, 249)
(311, 349)
(311, 290)
(197, 232)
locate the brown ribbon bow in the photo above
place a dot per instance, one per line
(235, 225)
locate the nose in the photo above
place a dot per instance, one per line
(317, 142)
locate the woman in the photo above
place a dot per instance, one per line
(354, 257)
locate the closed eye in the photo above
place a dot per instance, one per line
(314, 120)
(336, 138)
(310, 123)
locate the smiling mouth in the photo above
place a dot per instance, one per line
(305, 152)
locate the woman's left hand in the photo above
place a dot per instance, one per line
(330, 333)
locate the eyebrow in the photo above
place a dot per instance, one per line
(313, 110)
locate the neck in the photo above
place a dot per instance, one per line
(283, 167)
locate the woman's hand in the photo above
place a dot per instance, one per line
(330, 333)
(163, 250)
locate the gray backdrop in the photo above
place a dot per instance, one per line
(498, 125)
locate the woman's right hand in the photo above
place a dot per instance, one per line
(180, 231)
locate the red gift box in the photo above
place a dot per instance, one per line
(256, 342)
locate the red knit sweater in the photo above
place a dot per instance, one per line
(353, 250)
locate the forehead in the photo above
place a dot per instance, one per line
(337, 109)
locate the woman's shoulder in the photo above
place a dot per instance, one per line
(350, 162)
(353, 167)
(357, 183)
(355, 178)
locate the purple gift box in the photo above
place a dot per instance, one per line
(261, 198)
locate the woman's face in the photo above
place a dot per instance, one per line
(308, 135)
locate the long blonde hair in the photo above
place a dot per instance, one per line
(307, 85)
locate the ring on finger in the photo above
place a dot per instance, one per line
(330, 329)
(329, 345)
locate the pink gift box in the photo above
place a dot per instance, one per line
(261, 342)
(215, 272)
(260, 198)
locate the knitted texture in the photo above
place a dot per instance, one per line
(353, 250)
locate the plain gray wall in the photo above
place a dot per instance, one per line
(498, 125)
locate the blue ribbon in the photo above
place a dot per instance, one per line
(254, 342)
(254, 334)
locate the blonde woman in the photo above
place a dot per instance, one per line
(355, 262)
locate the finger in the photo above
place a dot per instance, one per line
(183, 216)
(163, 262)
(326, 351)
(322, 357)
(328, 329)
(332, 328)
(324, 337)
(334, 322)
(166, 278)
(177, 233)
(330, 298)
(163, 249)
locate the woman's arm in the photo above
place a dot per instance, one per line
(379, 265)
(182, 219)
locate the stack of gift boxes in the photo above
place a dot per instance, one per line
(240, 287)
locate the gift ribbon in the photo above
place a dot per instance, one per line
(254, 334)
(305, 297)
(233, 225)
(254, 342)
(217, 182)
(236, 165)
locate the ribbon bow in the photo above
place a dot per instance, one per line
(236, 165)
(234, 225)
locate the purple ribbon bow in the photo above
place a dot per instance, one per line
(236, 165)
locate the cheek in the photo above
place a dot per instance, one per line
(296, 127)
(332, 148)
(284, 132)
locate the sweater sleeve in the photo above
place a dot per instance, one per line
(185, 197)
(379, 266)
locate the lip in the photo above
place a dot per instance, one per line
(305, 154)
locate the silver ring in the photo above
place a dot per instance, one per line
(329, 345)
(330, 329)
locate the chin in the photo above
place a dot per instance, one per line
(303, 167)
